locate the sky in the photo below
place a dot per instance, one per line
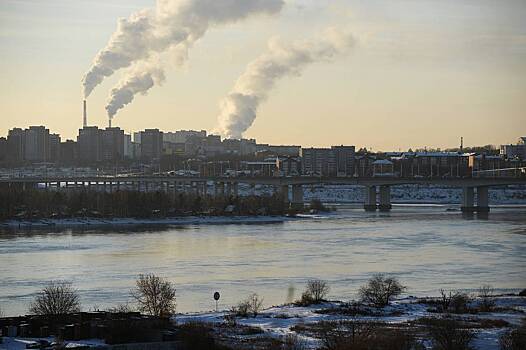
(422, 73)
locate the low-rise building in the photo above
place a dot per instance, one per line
(517, 151)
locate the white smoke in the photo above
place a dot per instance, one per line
(239, 108)
(140, 79)
(171, 23)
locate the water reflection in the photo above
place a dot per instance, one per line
(428, 248)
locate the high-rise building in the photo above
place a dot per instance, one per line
(54, 148)
(3, 149)
(112, 144)
(90, 144)
(334, 161)
(344, 160)
(181, 136)
(16, 141)
(128, 147)
(151, 144)
(68, 152)
(318, 161)
(36, 144)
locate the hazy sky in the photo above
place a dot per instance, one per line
(423, 72)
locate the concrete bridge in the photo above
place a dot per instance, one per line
(377, 189)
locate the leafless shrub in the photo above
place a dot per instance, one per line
(317, 289)
(352, 335)
(255, 304)
(248, 307)
(487, 301)
(460, 302)
(121, 308)
(380, 289)
(293, 342)
(449, 334)
(155, 296)
(57, 298)
(514, 339)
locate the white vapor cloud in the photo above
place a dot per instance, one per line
(171, 24)
(239, 109)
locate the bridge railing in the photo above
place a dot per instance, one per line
(501, 173)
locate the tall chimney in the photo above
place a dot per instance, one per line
(110, 122)
(85, 122)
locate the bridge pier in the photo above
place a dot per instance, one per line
(235, 187)
(482, 200)
(468, 200)
(385, 198)
(285, 192)
(370, 198)
(297, 196)
(220, 188)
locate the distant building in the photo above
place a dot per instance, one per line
(90, 144)
(112, 144)
(128, 147)
(515, 151)
(16, 145)
(54, 148)
(344, 156)
(288, 166)
(334, 161)
(151, 144)
(280, 150)
(36, 144)
(68, 152)
(3, 149)
(181, 136)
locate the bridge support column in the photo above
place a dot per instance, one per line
(297, 196)
(468, 200)
(285, 192)
(385, 198)
(235, 187)
(370, 198)
(482, 200)
(220, 188)
(229, 188)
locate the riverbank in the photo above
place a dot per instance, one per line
(175, 221)
(409, 320)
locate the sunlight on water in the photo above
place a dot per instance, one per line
(427, 247)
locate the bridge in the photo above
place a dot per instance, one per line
(377, 189)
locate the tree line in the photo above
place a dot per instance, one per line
(36, 204)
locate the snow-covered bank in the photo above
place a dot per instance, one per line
(280, 321)
(175, 221)
(415, 194)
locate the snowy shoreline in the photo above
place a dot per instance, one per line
(175, 221)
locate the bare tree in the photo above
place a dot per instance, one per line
(487, 301)
(255, 304)
(57, 298)
(317, 289)
(250, 306)
(380, 289)
(155, 296)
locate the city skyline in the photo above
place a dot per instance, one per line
(410, 82)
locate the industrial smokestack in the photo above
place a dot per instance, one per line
(109, 122)
(85, 114)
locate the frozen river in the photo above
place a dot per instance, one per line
(428, 248)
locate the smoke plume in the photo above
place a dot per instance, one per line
(169, 24)
(142, 77)
(239, 109)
